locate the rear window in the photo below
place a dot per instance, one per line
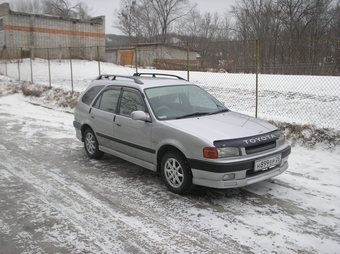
(90, 94)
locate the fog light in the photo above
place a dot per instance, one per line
(228, 177)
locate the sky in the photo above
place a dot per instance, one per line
(107, 8)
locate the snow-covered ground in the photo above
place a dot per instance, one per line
(298, 99)
(55, 200)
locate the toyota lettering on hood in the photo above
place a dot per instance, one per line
(255, 140)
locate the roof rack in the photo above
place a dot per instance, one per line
(158, 74)
(113, 77)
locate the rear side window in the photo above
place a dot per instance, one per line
(90, 94)
(108, 100)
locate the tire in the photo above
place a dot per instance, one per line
(91, 145)
(176, 173)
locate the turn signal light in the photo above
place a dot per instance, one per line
(210, 152)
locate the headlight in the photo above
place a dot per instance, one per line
(228, 152)
(223, 152)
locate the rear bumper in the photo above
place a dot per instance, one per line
(211, 174)
(77, 127)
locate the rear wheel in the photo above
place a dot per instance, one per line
(176, 173)
(91, 145)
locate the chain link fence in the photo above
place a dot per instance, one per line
(295, 81)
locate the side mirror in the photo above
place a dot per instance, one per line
(140, 115)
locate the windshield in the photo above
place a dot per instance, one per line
(180, 101)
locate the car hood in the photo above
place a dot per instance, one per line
(229, 125)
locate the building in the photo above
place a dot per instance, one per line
(30, 35)
(158, 55)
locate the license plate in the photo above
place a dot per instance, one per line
(267, 163)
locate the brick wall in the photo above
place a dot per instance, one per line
(28, 31)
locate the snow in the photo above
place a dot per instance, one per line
(296, 212)
(317, 98)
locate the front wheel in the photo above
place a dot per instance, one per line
(176, 173)
(91, 145)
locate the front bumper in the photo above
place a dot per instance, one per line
(210, 174)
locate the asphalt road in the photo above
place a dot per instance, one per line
(54, 199)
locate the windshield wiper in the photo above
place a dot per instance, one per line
(219, 111)
(193, 114)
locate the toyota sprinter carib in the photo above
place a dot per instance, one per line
(166, 124)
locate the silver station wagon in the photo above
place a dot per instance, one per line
(166, 124)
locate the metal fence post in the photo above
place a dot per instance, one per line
(5, 53)
(71, 69)
(188, 62)
(257, 76)
(60, 53)
(98, 54)
(18, 55)
(136, 60)
(49, 67)
(31, 54)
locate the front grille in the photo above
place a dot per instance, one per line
(260, 148)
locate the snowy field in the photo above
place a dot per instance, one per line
(55, 200)
(294, 99)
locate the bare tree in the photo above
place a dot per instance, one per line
(83, 11)
(202, 31)
(151, 18)
(335, 21)
(148, 22)
(288, 30)
(334, 35)
(125, 18)
(169, 11)
(254, 19)
(189, 27)
(61, 8)
(226, 31)
(132, 19)
(33, 6)
(300, 17)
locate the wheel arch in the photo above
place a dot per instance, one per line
(163, 150)
(83, 129)
(180, 174)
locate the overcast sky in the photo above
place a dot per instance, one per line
(107, 7)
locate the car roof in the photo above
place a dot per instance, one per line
(140, 81)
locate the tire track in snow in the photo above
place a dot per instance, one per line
(71, 203)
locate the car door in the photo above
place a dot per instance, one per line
(103, 114)
(133, 137)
